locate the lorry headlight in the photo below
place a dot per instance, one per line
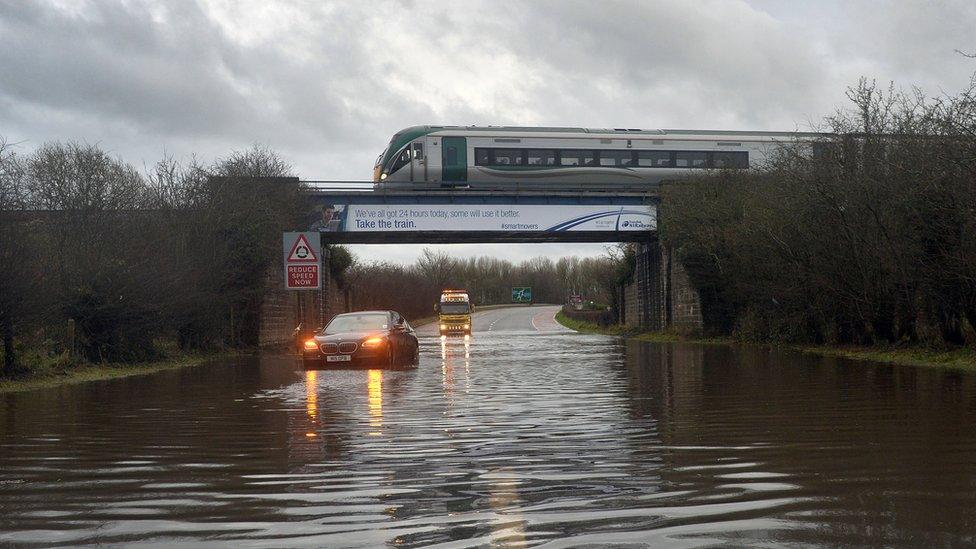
(443, 326)
(467, 326)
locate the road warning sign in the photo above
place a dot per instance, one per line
(302, 251)
(303, 265)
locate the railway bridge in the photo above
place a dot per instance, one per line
(659, 295)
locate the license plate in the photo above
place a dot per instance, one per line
(338, 358)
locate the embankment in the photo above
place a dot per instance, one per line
(66, 373)
(960, 358)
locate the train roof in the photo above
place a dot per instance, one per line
(604, 131)
(407, 135)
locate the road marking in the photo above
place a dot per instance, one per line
(548, 321)
(540, 315)
(534, 325)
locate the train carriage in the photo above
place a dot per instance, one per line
(551, 158)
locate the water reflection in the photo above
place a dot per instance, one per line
(455, 354)
(848, 451)
(508, 528)
(374, 386)
(312, 400)
(569, 439)
(311, 393)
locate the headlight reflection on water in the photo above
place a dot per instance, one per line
(450, 353)
(311, 398)
(374, 389)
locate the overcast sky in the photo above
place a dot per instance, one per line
(327, 84)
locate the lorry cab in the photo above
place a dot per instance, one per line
(454, 313)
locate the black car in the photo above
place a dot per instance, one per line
(368, 338)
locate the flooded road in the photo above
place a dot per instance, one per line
(525, 435)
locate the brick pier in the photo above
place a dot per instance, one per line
(659, 295)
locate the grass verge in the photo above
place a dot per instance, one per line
(591, 328)
(69, 375)
(957, 359)
(635, 333)
(961, 359)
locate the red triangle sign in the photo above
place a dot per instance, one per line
(302, 252)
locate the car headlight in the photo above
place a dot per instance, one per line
(374, 342)
(311, 345)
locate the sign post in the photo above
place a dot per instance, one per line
(522, 295)
(302, 260)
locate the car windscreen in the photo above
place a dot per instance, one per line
(358, 323)
(455, 308)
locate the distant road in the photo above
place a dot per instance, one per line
(540, 318)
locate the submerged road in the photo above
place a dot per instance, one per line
(535, 319)
(526, 434)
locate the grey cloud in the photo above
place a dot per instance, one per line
(639, 64)
(115, 64)
(184, 77)
(912, 42)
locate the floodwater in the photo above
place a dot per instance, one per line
(523, 436)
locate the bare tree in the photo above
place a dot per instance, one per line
(18, 269)
(864, 239)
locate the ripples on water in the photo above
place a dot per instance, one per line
(513, 439)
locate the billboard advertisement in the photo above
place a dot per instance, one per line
(331, 217)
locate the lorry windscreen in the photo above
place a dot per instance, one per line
(455, 308)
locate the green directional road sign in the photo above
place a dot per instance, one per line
(522, 295)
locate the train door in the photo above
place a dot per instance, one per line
(418, 162)
(454, 156)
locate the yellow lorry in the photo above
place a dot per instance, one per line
(454, 312)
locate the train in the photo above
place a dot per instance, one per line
(433, 157)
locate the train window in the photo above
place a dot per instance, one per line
(730, 160)
(418, 151)
(539, 157)
(654, 159)
(509, 157)
(570, 158)
(481, 157)
(691, 159)
(401, 160)
(615, 158)
(589, 158)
